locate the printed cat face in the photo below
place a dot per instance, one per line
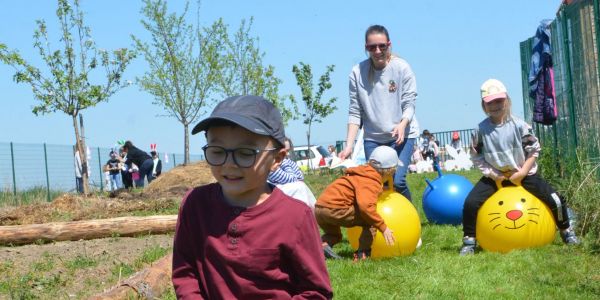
(514, 213)
(513, 218)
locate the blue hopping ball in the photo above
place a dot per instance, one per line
(444, 198)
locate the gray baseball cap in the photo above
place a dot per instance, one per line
(384, 157)
(253, 113)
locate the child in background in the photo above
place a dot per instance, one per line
(505, 150)
(288, 178)
(352, 201)
(113, 168)
(157, 164)
(455, 143)
(429, 148)
(287, 171)
(332, 152)
(243, 238)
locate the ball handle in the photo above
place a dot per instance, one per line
(429, 183)
(499, 184)
(390, 182)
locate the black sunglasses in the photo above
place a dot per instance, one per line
(372, 47)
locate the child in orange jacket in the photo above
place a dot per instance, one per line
(352, 201)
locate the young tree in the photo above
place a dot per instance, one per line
(66, 85)
(184, 63)
(315, 110)
(245, 74)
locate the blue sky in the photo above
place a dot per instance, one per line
(452, 46)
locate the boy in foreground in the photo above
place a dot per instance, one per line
(241, 238)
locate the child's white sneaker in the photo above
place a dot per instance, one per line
(468, 247)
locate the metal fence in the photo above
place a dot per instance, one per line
(28, 166)
(443, 138)
(575, 43)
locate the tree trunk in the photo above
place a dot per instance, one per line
(186, 139)
(80, 145)
(89, 229)
(149, 283)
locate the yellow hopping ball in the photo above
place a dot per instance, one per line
(402, 218)
(512, 218)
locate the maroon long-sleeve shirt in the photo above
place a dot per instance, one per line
(269, 251)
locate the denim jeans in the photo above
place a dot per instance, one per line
(79, 184)
(115, 182)
(145, 172)
(404, 151)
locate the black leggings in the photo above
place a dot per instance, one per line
(534, 184)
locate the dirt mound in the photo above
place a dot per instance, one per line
(163, 194)
(67, 202)
(179, 180)
(64, 208)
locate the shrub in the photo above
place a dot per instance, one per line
(579, 184)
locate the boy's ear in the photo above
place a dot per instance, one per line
(279, 156)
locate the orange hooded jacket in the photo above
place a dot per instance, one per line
(360, 187)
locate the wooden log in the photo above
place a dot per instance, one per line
(88, 229)
(149, 283)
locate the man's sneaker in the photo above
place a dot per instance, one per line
(329, 253)
(568, 236)
(468, 247)
(362, 254)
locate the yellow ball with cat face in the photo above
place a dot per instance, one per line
(513, 218)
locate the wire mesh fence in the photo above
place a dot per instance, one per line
(47, 168)
(575, 40)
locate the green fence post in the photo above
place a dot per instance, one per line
(597, 29)
(101, 173)
(569, 82)
(12, 159)
(47, 178)
(174, 163)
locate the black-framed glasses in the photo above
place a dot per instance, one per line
(372, 47)
(242, 157)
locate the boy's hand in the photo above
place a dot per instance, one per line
(388, 234)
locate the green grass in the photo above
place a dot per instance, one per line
(172, 209)
(121, 270)
(150, 255)
(34, 195)
(436, 271)
(31, 284)
(577, 181)
(81, 262)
